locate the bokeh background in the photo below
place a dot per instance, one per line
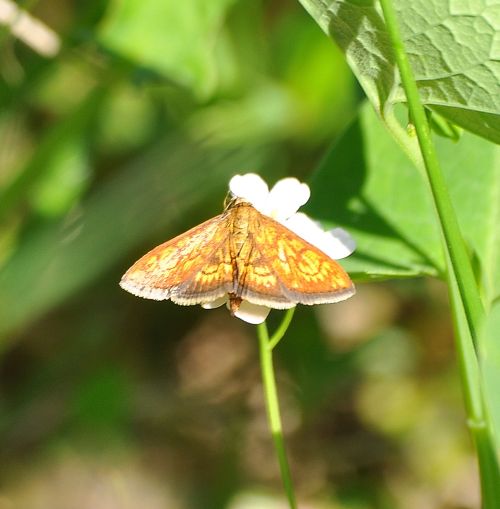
(121, 123)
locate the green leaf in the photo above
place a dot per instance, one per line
(490, 366)
(175, 38)
(452, 46)
(58, 168)
(442, 126)
(367, 185)
(64, 180)
(148, 196)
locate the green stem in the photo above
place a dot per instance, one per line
(459, 261)
(477, 421)
(280, 331)
(272, 404)
(466, 303)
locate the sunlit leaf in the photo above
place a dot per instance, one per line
(452, 46)
(175, 38)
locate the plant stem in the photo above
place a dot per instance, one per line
(272, 404)
(466, 303)
(280, 331)
(477, 421)
(459, 261)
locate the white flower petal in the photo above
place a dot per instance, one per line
(305, 227)
(252, 313)
(286, 197)
(342, 243)
(217, 303)
(252, 188)
(336, 243)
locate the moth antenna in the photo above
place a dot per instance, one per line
(229, 200)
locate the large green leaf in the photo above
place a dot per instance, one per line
(453, 49)
(175, 38)
(367, 185)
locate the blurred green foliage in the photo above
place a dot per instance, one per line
(127, 136)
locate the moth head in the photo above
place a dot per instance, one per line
(232, 200)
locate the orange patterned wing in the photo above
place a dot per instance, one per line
(283, 270)
(193, 268)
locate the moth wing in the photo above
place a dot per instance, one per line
(285, 270)
(192, 268)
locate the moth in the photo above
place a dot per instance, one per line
(244, 255)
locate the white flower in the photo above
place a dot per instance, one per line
(282, 203)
